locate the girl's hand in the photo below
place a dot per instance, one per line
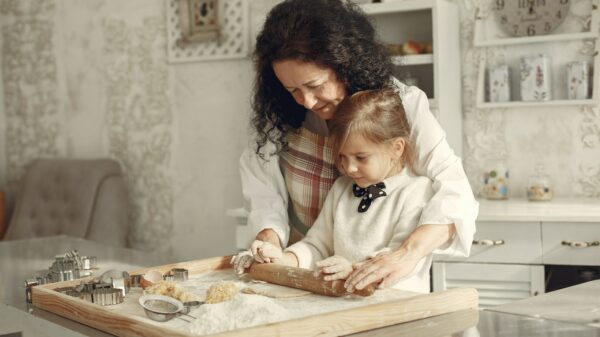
(336, 268)
(242, 261)
(265, 252)
(386, 268)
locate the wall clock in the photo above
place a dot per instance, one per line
(530, 17)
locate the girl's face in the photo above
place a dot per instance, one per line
(368, 163)
(316, 88)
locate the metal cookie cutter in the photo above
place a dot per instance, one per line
(179, 274)
(107, 296)
(29, 283)
(117, 279)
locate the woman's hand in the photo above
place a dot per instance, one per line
(386, 268)
(336, 268)
(270, 236)
(265, 252)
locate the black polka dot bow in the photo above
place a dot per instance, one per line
(368, 194)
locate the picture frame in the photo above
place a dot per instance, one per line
(200, 21)
(231, 42)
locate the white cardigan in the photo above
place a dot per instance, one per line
(266, 197)
(341, 230)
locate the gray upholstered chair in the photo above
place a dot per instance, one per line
(84, 198)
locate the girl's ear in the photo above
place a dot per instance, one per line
(398, 147)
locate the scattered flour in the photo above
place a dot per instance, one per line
(244, 310)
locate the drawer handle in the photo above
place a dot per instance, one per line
(488, 242)
(581, 244)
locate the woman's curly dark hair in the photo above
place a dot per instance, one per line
(331, 33)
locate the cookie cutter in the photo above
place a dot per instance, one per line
(107, 296)
(117, 279)
(179, 274)
(65, 267)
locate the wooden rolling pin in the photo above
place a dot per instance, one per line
(304, 279)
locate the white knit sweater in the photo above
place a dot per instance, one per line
(341, 230)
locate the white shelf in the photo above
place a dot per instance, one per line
(412, 60)
(397, 6)
(515, 104)
(437, 74)
(535, 39)
(551, 43)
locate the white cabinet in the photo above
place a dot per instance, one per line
(438, 74)
(571, 243)
(573, 41)
(496, 283)
(515, 240)
(506, 242)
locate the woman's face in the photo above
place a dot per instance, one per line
(316, 88)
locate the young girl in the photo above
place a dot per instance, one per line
(377, 202)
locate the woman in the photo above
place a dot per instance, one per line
(309, 55)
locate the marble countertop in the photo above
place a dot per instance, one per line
(577, 304)
(557, 210)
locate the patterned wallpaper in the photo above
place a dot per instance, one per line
(137, 116)
(138, 123)
(30, 84)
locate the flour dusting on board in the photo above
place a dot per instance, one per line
(240, 312)
(246, 310)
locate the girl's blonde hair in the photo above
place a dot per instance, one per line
(376, 115)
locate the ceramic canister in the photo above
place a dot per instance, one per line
(499, 83)
(535, 78)
(578, 78)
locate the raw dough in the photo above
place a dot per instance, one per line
(220, 292)
(171, 289)
(274, 290)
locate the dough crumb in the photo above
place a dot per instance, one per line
(171, 289)
(221, 292)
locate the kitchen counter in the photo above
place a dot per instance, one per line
(466, 323)
(577, 304)
(557, 210)
(570, 312)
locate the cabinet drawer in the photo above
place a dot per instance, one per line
(496, 283)
(572, 243)
(504, 242)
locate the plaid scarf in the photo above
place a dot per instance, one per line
(309, 173)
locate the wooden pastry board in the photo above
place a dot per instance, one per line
(334, 323)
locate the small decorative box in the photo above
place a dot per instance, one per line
(535, 78)
(499, 83)
(578, 77)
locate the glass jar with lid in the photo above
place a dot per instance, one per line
(539, 187)
(495, 180)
